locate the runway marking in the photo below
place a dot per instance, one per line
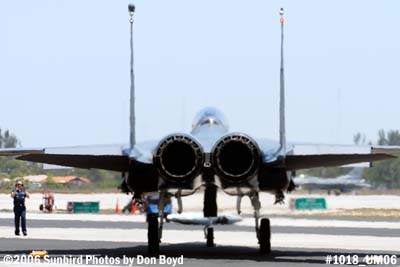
(79, 217)
(324, 223)
(275, 221)
(238, 238)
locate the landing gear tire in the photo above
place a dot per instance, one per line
(153, 239)
(264, 236)
(210, 237)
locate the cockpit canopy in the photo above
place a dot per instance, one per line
(212, 116)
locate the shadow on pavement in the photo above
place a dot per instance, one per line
(198, 251)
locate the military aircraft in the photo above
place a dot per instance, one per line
(210, 157)
(341, 184)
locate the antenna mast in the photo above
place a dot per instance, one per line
(282, 131)
(132, 136)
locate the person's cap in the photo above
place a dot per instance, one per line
(18, 183)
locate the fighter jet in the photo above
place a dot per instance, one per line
(211, 157)
(341, 184)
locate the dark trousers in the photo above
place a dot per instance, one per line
(20, 214)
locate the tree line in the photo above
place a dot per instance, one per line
(8, 139)
(385, 174)
(10, 167)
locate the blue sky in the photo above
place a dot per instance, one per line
(65, 68)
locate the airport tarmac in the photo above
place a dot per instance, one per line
(225, 202)
(296, 241)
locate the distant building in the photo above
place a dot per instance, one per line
(35, 181)
(35, 178)
(71, 180)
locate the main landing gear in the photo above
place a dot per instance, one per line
(155, 223)
(264, 236)
(263, 226)
(153, 239)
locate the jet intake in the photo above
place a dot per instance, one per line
(236, 158)
(179, 158)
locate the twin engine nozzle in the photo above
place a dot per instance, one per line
(235, 158)
(179, 158)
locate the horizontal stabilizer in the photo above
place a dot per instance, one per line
(297, 162)
(104, 162)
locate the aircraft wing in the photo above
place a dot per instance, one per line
(385, 149)
(305, 156)
(118, 158)
(328, 149)
(106, 157)
(20, 151)
(104, 162)
(297, 162)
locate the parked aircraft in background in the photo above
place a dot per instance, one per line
(341, 184)
(210, 157)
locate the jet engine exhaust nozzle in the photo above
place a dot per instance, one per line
(179, 158)
(236, 158)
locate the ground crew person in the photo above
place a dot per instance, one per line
(19, 194)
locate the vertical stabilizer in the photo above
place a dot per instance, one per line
(282, 131)
(132, 135)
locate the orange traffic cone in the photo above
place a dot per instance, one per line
(133, 207)
(117, 206)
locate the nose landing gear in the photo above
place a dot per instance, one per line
(209, 235)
